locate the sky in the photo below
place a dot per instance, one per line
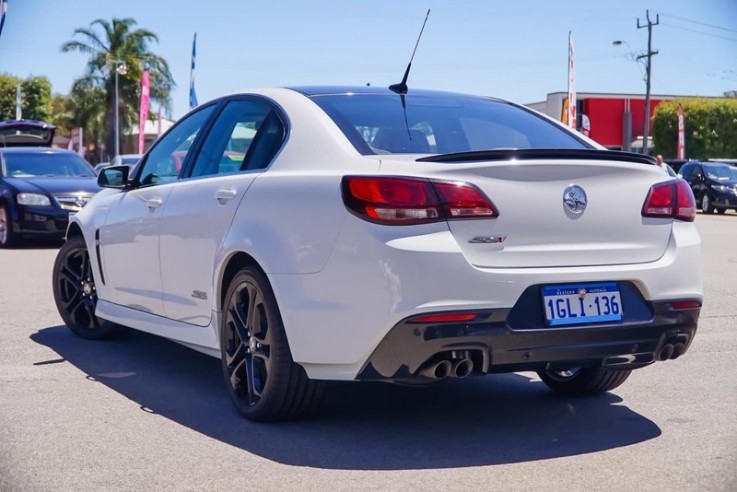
(514, 50)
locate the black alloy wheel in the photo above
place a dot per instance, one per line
(581, 381)
(260, 375)
(7, 236)
(75, 293)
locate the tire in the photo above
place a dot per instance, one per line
(75, 294)
(261, 378)
(706, 205)
(583, 381)
(721, 211)
(8, 238)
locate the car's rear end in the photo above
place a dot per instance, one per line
(473, 257)
(521, 275)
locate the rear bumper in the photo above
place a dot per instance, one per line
(494, 345)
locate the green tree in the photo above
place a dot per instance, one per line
(107, 42)
(85, 103)
(60, 114)
(710, 127)
(35, 97)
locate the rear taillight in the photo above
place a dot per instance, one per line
(672, 199)
(679, 305)
(400, 200)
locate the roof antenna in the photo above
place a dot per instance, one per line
(401, 88)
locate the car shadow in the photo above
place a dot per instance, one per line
(361, 426)
(38, 244)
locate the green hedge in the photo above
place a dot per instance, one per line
(711, 128)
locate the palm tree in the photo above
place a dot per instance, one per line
(118, 43)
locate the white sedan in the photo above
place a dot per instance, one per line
(314, 234)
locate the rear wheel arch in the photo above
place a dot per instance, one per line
(231, 267)
(234, 264)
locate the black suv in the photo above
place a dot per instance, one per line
(714, 185)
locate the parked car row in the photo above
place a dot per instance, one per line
(40, 186)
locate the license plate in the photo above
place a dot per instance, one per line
(582, 303)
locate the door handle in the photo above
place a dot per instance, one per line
(154, 203)
(223, 196)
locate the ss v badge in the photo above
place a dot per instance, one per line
(488, 239)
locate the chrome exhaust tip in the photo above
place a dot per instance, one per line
(436, 369)
(666, 352)
(462, 368)
(678, 350)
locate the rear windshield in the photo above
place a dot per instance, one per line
(440, 124)
(33, 165)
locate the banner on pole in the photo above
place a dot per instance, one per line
(143, 114)
(571, 84)
(681, 152)
(76, 143)
(3, 11)
(18, 107)
(192, 95)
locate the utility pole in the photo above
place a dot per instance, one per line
(649, 55)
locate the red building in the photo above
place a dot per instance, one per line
(615, 120)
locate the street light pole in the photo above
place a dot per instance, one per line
(120, 68)
(648, 66)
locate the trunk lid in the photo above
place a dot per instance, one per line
(537, 227)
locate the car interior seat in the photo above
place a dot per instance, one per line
(401, 141)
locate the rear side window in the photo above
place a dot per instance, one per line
(439, 124)
(246, 136)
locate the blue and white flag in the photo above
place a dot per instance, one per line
(3, 11)
(192, 95)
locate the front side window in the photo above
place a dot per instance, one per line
(440, 124)
(687, 171)
(167, 156)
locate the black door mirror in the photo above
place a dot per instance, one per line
(113, 177)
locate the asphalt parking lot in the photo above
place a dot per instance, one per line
(143, 413)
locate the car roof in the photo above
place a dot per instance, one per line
(706, 163)
(322, 90)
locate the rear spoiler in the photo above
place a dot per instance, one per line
(528, 154)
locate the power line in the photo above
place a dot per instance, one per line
(700, 32)
(699, 23)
